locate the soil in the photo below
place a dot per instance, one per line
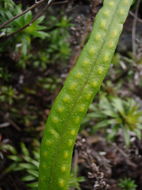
(104, 163)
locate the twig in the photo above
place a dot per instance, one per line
(62, 2)
(134, 48)
(27, 25)
(21, 14)
(33, 20)
(8, 120)
(128, 161)
(138, 19)
(3, 125)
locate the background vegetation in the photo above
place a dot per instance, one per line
(34, 62)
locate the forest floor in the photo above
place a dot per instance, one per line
(102, 163)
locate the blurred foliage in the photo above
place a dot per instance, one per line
(49, 83)
(27, 56)
(22, 41)
(28, 79)
(116, 115)
(4, 75)
(27, 162)
(59, 49)
(74, 181)
(56, 46)
(5, 147)
(127, 184)
(51, 34)
(7, 94)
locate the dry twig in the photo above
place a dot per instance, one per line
(134, 47)
(133, 15)
(21, 14)
(39, 14)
